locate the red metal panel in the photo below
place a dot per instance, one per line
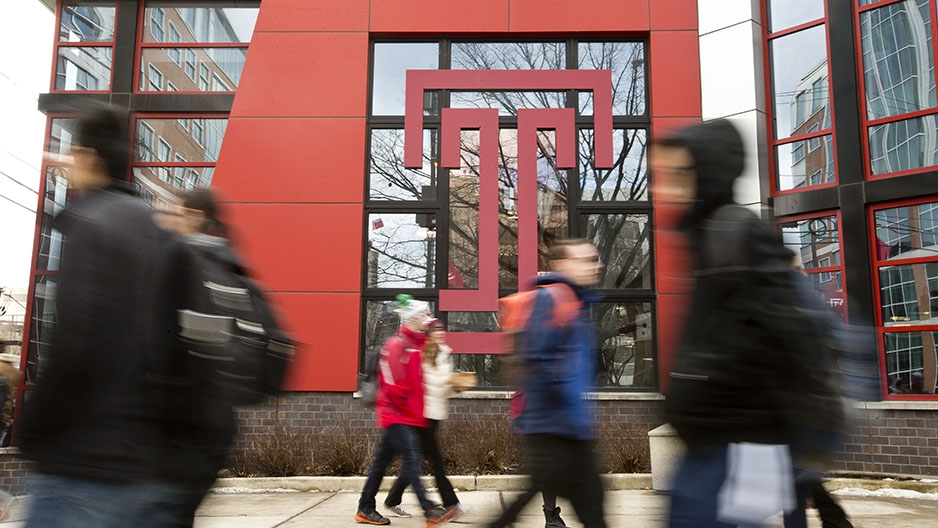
(675, 74)
(304, 75)
(476, 342)
(327, 327)
(672, 314)
(673, 14)
(292, 160)
(599, 81)
(301, 247)
(530, 120)
(581, 15)
(485, 298)
(436, 16)
(663, 126)
(321, 15)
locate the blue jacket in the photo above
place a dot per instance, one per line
(559, 368)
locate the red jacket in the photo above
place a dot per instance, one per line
(400, 381)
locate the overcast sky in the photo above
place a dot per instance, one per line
(26, 34)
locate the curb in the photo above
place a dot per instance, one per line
(611, 482)
(617, 481)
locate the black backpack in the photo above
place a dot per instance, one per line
(368, 380)
(229, 329)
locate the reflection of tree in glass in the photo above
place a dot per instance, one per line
(400, 254)
(389, 179)
(626, 60)
(511, 56)
(628, 177)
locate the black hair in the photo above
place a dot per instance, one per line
(105, 130)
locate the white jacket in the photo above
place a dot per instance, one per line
(436, 385)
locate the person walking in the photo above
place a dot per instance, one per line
(438, 388)
(557, 352)
(750, 387)
(94, 424)
(399, 409)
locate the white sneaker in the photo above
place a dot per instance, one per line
(400, 512)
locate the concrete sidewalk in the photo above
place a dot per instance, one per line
(242, 507)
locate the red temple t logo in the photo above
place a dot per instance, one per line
(485, 120)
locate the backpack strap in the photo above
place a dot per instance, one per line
(566, 304)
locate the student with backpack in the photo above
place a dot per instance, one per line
(399, 411)
(438, 388)
(231, 352)
(555, 355)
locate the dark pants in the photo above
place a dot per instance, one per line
(695, 487)
(832, 515)
(561, 467)
(397, 440)
(431, 449)
(189, 496)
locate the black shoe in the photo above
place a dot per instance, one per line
(553, 518)
(372, 517)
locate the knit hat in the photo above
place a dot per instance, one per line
(409, 308)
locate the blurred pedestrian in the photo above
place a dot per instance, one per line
(557, 352)
(202, 420)
(749, 388)
(399, 409)
(438, 388)
(93, 424)
(10, 376)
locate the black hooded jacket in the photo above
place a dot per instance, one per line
(746, 369)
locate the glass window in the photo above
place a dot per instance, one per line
(907, 232)
(623, 242)
(203, 77)
(796, 161)
(153, 80)
(389, 180)
(798, 61)
(898, 62)
(50, 239)
(509, 56)
(816, 241)
(401, 251)
(41, 327)
(391, 61)
(174, 54)
(910, 362)
(508, 103)
(904, 145)
(784, 14)
(627, 179)
(83, 68)
(627, 62)
(201, 22)
(626, 354)
(87, 21)
(164, 141)
(190, 64)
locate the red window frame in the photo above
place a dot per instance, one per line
(877, 263)
(58, 43)
(182, 46)
(865, 122)
(768, 36)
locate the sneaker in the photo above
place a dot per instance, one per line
(398, 511)
(372, 517)
(436, 517)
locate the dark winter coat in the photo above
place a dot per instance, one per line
(749, 367)
(95, 412)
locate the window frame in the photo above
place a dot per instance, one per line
(577, 207)
(59, 44)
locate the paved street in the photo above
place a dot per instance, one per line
(624, 508)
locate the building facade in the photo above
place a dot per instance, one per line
(372, 147)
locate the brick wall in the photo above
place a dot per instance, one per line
(902, 440)
(14, 471)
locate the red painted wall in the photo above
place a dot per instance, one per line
(292, 164)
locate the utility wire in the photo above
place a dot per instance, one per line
(24, 162)
(17, 203)
(21, 184)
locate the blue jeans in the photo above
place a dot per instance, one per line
(695, 487)
(398, 440)
(80, 503)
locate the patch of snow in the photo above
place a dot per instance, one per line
(929, 480)
(885, 492)
(238, 489)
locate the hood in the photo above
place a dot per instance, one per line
(719, 158)
(218, 247)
